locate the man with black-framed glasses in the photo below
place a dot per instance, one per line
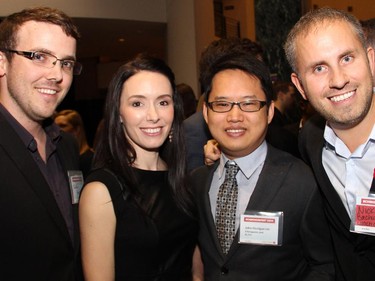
(44, 59)
(39, 176)
(259, 207)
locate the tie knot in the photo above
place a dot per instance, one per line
(231, 170)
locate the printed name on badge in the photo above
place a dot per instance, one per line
(263, 228)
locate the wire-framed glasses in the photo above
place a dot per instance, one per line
(49, 61)
(246, 106)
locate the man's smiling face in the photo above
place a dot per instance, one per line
(334, 73)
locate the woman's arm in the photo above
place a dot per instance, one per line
(198, 271)
(97, 222)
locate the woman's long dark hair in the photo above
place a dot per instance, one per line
(114, 150)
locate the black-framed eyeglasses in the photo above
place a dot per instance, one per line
(246, 106)
(49, 61)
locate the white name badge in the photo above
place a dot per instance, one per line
(363, 219)
(76, 184)
(263, 228)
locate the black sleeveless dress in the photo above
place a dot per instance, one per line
(154, 240)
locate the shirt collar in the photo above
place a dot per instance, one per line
(247, 164)
(334, 143)
(51, 129)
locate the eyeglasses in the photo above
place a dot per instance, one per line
(49, 61)
(246, 106)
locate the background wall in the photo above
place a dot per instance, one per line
(147, 10)
(181, 52)
(243, 11)
(362, 9)
(205, 30)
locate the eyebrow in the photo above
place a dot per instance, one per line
(146, 96)
(340, 56)
(42, 50)
(228, 97)
(315, 64)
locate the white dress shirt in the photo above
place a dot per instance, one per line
(351, 174)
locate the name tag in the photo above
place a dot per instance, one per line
(263, 228)
(75, 184)
(363, 219)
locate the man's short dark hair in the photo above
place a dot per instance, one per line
(234, 60)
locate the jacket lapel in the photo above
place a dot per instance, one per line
(209, 218)
(315, 147)
(336, 212)
(69, 161)
(21, 158)
(266, 189)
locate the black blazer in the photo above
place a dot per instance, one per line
(34, 240)
(354, 253)
(285, 184)
(196, 136)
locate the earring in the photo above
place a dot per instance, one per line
(170, 136)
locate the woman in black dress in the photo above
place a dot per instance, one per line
(136, 211)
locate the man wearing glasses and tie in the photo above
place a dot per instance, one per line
(39, 177)
(260, 211)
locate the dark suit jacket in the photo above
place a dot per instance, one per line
(285, 184)
(196, 136)
(354, 253)
(34, 240)
(283, 139)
